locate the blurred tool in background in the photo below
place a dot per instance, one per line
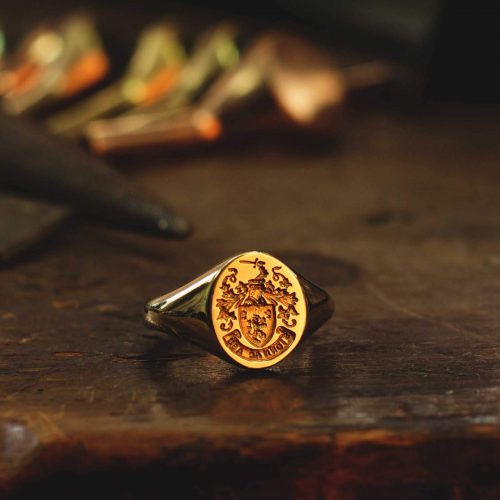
(51, 64)
(54, 62)
(33, 162)
(280, 74)
(215, 51)
(174, 92)
(153, 71)
(2, 47)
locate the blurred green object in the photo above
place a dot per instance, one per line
(53, 62)
(2, 46)
(282, 80)
(153, 71)
(216, 50)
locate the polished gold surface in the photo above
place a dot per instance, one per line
(259, 310)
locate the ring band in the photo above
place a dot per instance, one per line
(251, 310)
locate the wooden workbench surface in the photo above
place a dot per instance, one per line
(398, 396)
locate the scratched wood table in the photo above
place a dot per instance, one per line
(398, 396)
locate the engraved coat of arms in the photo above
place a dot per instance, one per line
(256, 305)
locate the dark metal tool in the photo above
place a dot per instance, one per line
(35, 162)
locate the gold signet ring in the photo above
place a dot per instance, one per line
(251, 310)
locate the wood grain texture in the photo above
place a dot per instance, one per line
(26, 223)
(397, 397)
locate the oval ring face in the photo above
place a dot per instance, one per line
(259, 310)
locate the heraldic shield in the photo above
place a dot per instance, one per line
(257, 323)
